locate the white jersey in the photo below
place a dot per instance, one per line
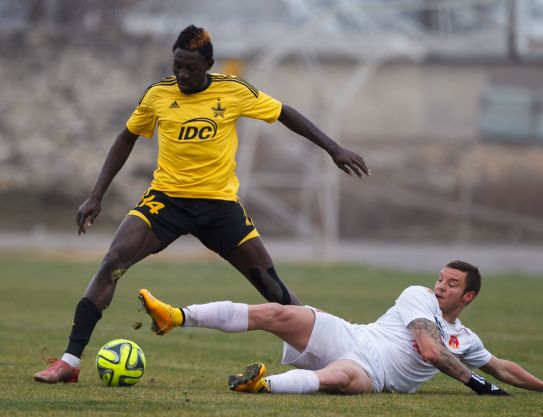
(403, 367)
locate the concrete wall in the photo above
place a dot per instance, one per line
(401, 100)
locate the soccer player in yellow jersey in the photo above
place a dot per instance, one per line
(194, 189)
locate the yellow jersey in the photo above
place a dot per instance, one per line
(197, 138)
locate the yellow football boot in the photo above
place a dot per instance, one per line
(164, 316)
(251, 381)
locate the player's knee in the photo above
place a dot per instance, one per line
(342, 381)
(336, 381)
(111, 260)
(353, 388)
(118, 257)
(269, 316)
(114, 266)
(273, 312)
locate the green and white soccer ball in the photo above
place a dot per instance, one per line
(120, 362)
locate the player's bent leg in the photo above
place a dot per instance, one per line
(344, 377)
(253, 260)
(132, 242)
(293, 324)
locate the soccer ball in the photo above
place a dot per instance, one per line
(120, 362)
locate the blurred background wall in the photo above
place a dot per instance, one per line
(443, 99)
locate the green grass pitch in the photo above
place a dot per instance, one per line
(187, 369)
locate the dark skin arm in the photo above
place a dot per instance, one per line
(345, 159)
(117, 156)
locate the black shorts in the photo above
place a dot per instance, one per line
(220, 225)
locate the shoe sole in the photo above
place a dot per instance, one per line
(252, 373)
(46, 381)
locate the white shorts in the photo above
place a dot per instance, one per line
(333, 338)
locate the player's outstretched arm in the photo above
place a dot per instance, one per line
(117, 156)
(432, 350)
(512, 373)
(345, 159)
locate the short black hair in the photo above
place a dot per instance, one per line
(473, 276)
(193, 38)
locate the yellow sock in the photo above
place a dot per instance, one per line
(178, 316)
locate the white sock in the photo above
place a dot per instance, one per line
(297, 381)
(222, 315)
(71, 360)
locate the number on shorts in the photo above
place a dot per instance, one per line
(154, 206)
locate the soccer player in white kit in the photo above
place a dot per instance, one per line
(415, 339)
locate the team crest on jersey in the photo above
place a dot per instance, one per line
(453, 342)
(218, 110)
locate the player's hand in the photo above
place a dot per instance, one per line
(87, 213)
(350, 162)
(482, 387)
